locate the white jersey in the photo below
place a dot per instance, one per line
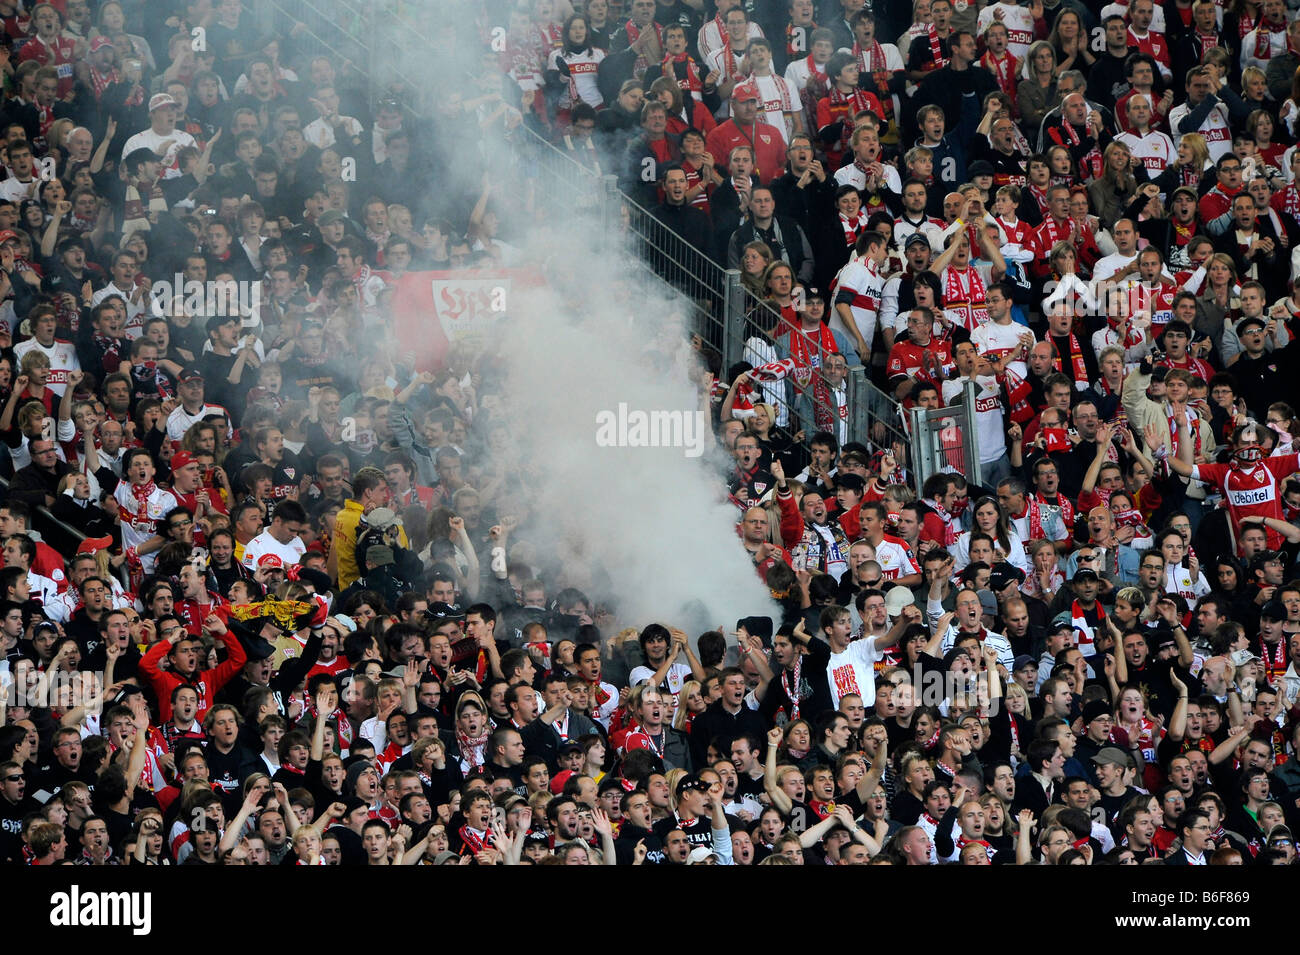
(139, 524)
(994, 339)
(987, 638)
(15, 190)
(135, 311)
(1215, 127)
(148, 139)
(321, 134)
(990, 432)
(851, 175)
(861, 283)
(711, 34)
(896, 558)
(1250, 52)
(853, 671)
(798, 73)
(264, 543)
(63, 359)
(1018, 21)
(180, 420)
(581, 85)
(893, 60)
(776, 98)
(1179, 580)
(1155, 149)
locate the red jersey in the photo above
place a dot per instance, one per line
(910, 359)
(60, 55)
(767, 142)
(1251, 491)
(1195, 365)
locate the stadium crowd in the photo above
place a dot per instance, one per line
(273, 591)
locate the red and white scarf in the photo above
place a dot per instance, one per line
(1004, 70)
(1018, 392)
(965, 297)
(1085, 631)
(1262, 35)
(879, 72)
(730, 69)
(1193, 425)
(1090, 162)
(816, 74)
(936, 51)
(473, 842)
(1077, 364)
(949, 530)
(634, 34)
(692, 84)
(472, 747)
(853, 227)
(808, 356)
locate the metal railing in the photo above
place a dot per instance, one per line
(946, 439)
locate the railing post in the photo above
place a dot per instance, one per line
(969, 436)
(733, 319)
(859, 398)
(610, 200)
(922, 452)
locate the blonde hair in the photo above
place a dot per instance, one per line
(1196, 145)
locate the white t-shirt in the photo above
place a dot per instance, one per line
(63, 359)
(853, 671)
(1155, 149)
(1000, 339)
(1019, 23)
(148, 139)
(264, 543)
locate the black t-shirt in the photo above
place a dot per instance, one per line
(698, 833)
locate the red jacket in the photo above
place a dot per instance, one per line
(768, 143)
(206, 682)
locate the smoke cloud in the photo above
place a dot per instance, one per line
(646, 529)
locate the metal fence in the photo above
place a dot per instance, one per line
(945, 439)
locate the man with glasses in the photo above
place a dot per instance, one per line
(1198, 840)
(1215, 207)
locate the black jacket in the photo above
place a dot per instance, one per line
(717, 723)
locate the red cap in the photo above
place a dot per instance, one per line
(182, 459)
(270, 560)
(559, 779)
(99, 43)
(7, 234)
(92, 544)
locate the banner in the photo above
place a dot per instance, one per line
(433, 310)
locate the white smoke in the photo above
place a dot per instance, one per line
(647, 529)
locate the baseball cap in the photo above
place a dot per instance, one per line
(698, 855)
(271, 562)
(1273, 610)
(1265, 557)
(988, 602)
(897, 599)
(331, 215)
(744, 91)
(1084, 573)
(1000, 579)
(1250, 320)
(92, 544)
(558, 781)
(190, 373)
(916, 238)
(1111, 754)
(445, 611)
(99, 43)
(159, 100)
(691, 781)
(7, 235)
(1240, 658)
(181, 459)
(1188, 190)
(979, 167)
(1022, 661)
